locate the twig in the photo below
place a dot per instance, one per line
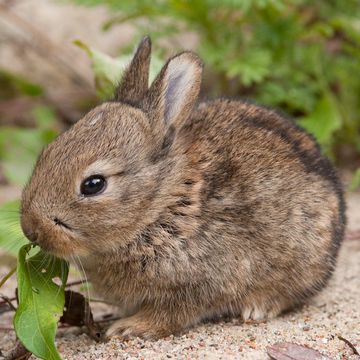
(3, 302)
(347, 342)
(8, 301)
(7, 276)
(78, 282)
(11, 299)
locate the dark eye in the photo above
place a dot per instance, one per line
(93, 185)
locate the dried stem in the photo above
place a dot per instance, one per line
(7, 276)
(6, 300)
(347, 342)
(74, 283)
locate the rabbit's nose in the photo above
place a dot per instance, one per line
(32, 236)
(28, 227)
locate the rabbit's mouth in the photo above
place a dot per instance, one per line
(52, 234)
(61, 243)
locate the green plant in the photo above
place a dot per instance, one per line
(41, 301)
(19, 147)
(11, 236)
(107, 70)
(297, 55)
(13, 85)
(355, 183)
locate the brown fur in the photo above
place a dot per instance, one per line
(221, 208)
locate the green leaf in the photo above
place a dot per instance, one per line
(11, 235)
(355, 182)
(108, 70)
(19, 150)
(41, 301)
(323, 121)
(252, 68)
(13, 85)
(19, 147)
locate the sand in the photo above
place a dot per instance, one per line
(336, 311)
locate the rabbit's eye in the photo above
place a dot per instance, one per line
(93, 185)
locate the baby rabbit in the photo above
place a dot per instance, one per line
(182, 211)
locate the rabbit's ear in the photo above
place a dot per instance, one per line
(135, 81)
(174, 92)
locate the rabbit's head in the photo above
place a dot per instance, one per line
(99, 182)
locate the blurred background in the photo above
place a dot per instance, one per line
(60, 58)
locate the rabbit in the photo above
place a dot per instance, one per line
(182, 211)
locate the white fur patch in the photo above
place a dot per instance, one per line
(102, 167)
(257, 313)
(254, 313)
(95, 119)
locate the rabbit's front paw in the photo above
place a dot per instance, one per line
(137, 326)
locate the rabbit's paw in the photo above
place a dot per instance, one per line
(136, 326)
(259, 314)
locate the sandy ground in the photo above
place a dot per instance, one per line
(336, 311)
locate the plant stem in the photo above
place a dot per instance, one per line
(7, 276)
(7, 301)
(78, 282)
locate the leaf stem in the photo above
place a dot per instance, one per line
(78, 282)
(7, 276)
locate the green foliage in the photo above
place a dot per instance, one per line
(108, 71)
(19, 147)
(11, 235)
(14, 85)
(355, 183)
(298, 55)
(323, 121)
(41, 301)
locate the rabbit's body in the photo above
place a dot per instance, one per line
(242, 232)
(231, 210)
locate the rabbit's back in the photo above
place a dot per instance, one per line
(268, 197)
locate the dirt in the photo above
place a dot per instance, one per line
(335, 312)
